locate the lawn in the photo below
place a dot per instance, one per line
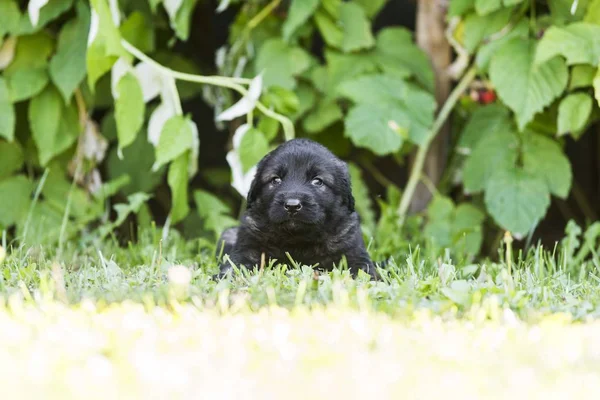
(146, 321)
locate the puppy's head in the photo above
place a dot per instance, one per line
(301, 185)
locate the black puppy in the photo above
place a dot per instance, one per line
(300, 202)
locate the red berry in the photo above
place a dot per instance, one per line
(488, 96)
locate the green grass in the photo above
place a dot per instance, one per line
(538, 282)
(99, 320)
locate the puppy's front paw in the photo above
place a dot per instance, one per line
(369, 268)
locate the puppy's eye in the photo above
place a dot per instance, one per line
(317, 182)
(276, 180)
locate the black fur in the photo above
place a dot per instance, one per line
(322, 231)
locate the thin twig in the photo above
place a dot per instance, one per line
(417, 169)
(175, 95)
(36, 196)
(65, 220)
(377, 175)
(231, 83)
(264, 13)
(429, 184)
(583, 202)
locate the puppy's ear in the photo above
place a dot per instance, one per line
(347, 187)
(256, 181)
(253, 192)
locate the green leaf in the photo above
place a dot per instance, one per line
(54, 125)
(207, 204)
(299, 12)
(135, 202)
(592, 15)
(318, 75)
(176, 138)
(582, 76)
(342, 67)
(307, 97)
(497, 150)
(138, 30)
(11, 158)
(98, 63)
(26, 75)
(178, 182)
(396, 51)
(213, 211)
(356, 28)
(48, 13)
(282, 100)
(7, 113)
(363, 202)
(579, 43)
(380, 128)
(32, 51)
(58, 187)
(9, 17)
(516, 199)
(544, 159)
(268, 126)
(439, 230)
(181, 24)
(487, 50)
(44, 117)
(545, 122)
(566, 11)
(280, 63)
(332, 7)
(523, 86)
(44, 225)
(478, 27)
(129, 109)
(417, 105)
(15, 193)
(253, 147)
(108, 33)
(137, 165)
(67, 66)
(467, 232)
(328, 27)
(374, 89)
(485, 7)
(453, 227)
(154, 4)
(106, 47)
(571, 241)
(325, 114)
(458, 8)
(371, 7)
(440, 208)
(573, 113)
(484, 122)
(26, 83)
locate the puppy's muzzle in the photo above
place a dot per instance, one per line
(292, 205)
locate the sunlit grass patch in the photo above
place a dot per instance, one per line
(147, 321)
(128, 350)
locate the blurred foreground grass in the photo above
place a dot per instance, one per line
(102, 321)
(127, 351)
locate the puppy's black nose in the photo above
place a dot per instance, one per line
(292, 205)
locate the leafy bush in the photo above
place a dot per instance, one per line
(91, 107)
